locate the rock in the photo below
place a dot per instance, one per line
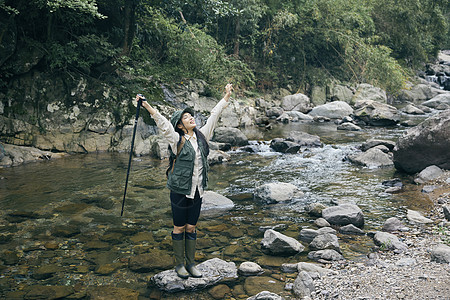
(49, 292)
(396, 182)
(298, 116)
(351, 229)
(284, 118)
(393, 224)
(393, 190)
(304, 139)
(332, 110)
(276, 243)
(441, 254)
(314, 270)
(416, 217)
(429, 188)
(349, 126)
(9, 258)
(388, 241)
(372, 158)
(266, 295)
(214, 204)
(412, 110)
(277, 192)
(425, 145)
(217, 157)
(441, 101)
(325, 256)
(104, 292)
(232, 136)
(219, 291)
(213, 270)
(256, 284)
(315, 209)
(375, 113)
(296, 102)
(446, 210)
(376, 142)
(147, 262)
(274, 112)
(366, 91)
(321, 222)
(250, 269)
(284, 146)
(417, 93)
(428, 174)
(344, 214)
(341, 93)
(325, 241)
(308, 235)
(303, 285)
(46, 271)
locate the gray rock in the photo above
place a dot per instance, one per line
(214, 204)
(274, 112)
(250, 269)
(298, 116)
(372, 158)
(417, 93)
(393, 224)
(303, 285)
(388, 241)
(217, 157)
(321, 222)
(308, 235)
(428, 174)
(446, 210)
(349, 126)
(315, 209)
(325, 241)
(405, 262)
(441, 100)
(344, 214)
(279, 244)
(341, 93)
(304, 139)
(313, 269)
(296, 102)
(425, 145)
(325, 256)
(429, 188)
(412, 110)
(416, 217)
(284, 146)
(366, 91)
(371, 143)
(213, 270)
(266, 295)
(277, 192)
(376, 113)
(351, 229)
(232, 136)
(441, 254)
(332, 110)
(393, 190)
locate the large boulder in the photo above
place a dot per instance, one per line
(426, 144)
(296, 102)
(366, 91)
(214, 204)
(344, 214)
(341, 93)
(276, 243)
(376, 113)
(332, 110)
(277, 192)
(229, 135)
(441, 102)
(372, 158)
(388, 241)
(417, 93)
(213, 270)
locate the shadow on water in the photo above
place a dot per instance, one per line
(66, 212)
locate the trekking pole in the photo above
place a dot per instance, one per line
(131, 150)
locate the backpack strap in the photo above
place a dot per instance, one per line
(179, 147)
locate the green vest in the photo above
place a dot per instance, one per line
(180, 177)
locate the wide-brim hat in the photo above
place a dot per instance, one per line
(176, 116)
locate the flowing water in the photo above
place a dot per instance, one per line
(66, 212)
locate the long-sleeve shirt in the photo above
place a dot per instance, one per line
(173, 137)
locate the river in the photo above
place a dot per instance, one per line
(66, 212)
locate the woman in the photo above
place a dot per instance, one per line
(187, 176)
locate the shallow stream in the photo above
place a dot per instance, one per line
(66, 212)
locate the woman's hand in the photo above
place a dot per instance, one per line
(228, 89)
(145, 104)
(139, 97)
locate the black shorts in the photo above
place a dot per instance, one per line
(185, 210)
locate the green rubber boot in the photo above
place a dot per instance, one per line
(191, 242)
(178, 251)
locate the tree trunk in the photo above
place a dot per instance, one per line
(237, 32)
(128, 26)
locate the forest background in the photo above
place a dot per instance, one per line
(256, 44)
